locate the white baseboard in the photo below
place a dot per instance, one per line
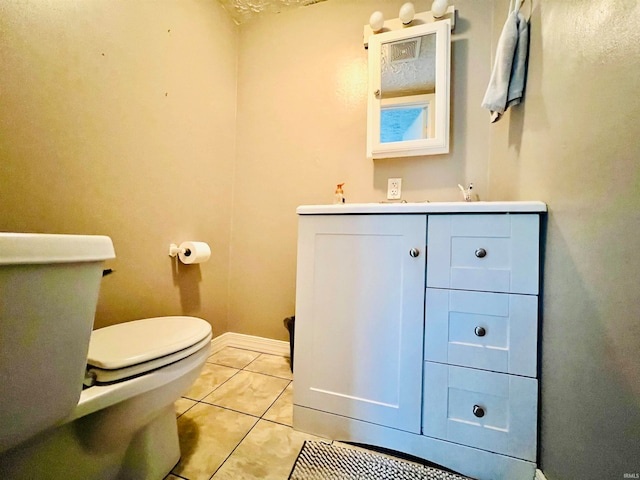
(249, 342)
(540, 475)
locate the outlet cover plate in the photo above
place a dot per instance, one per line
(394, 189)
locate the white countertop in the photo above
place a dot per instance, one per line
(424, 207)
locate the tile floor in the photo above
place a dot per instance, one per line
(235, 421)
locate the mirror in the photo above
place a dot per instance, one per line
(408, 107)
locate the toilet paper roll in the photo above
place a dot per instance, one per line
(194, 252)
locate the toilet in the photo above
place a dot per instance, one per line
(77, 403)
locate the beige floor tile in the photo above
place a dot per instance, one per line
(183, 404)
(248, 392)
(271, 365)
(212, 377)
(282, 410)
(172, 477)
(208, 434)
(267, 453)
(233, 357)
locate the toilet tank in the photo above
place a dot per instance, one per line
(49, 288)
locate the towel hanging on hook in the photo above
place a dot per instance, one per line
(515, 6)
(506, 86)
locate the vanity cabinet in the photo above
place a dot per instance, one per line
(416, 330)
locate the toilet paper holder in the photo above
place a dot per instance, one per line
(190, 252)
(174, 250)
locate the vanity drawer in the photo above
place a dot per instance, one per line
(491, 331)
(486, 252)
(487, 410)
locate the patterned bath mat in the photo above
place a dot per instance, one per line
(324, 461)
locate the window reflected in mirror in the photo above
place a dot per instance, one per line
(398, 124)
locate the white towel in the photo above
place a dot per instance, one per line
(506, 86)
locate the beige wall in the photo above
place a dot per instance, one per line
(302, 86)
(118, 118)
(574, 144)
(90, 143)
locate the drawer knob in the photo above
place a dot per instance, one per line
(414, 252)
(478, 411)
(481, 253)
(480, 331)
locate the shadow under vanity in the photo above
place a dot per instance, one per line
(417, 330)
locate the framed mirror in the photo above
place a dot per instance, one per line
(409, 82)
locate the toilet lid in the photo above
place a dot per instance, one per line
(131, 343)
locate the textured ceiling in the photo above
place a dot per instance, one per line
(409, 76)
(244, 10)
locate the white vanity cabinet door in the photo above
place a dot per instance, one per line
(490, 331)
(493, 253)
(487, 410)
(359, 317)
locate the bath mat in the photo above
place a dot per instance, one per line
(324, 461)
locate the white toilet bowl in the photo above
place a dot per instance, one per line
(123, 426)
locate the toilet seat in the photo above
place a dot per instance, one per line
(125, 350)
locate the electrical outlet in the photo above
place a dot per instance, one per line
(394, 188)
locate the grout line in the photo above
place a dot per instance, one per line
(234, 448)
(231, 409)
(227, 366)
(278, 397)
(177, 476)
(216, 388)
(252, 371)
(270, 375)
(253, 360)
(195, 402)
(276, 423)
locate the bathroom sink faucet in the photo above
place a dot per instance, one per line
(466, 193)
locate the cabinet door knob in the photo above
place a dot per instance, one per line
(481, 252)
(480, 331)
(478, 411)
(414, 252)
